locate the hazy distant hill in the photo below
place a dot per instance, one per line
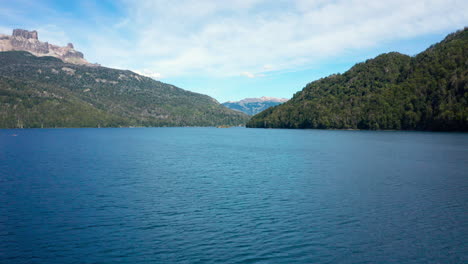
(391, 91)
(46, 92)
(252, 106)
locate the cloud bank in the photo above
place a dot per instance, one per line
(250, 38)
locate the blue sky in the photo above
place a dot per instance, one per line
(235, 49)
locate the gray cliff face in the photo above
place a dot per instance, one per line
(25, 34)
(19, 43)
(73, 54)
(25, 40)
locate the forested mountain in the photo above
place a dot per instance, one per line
(252, 106)
(46, 92)
(391, 91)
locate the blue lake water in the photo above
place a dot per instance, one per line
(207, 195)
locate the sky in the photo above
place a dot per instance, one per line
(237, 49)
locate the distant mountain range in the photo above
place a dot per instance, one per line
(392, 91)
(64, 90)
(252, 106)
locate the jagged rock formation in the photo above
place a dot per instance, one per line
(25, 34)
(29, 41)
(252, 106)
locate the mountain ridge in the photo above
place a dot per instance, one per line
(252, 106)
(391, 91)
(24, 40)
(260, 99)
(47, 92)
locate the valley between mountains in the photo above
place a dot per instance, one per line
(44, 85)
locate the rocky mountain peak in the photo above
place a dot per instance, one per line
(25, 34)
(26, 40)
(260, 100)
(252, 106)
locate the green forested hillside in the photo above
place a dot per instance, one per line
(391, 91)
(46, 92)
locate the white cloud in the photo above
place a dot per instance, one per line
(224, 38)
(53, 34)
(251, 37)
(248, 74)
(252, 75)
(149, 73)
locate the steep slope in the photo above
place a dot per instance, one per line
(252, 106)
(46, 92)
(392, 91)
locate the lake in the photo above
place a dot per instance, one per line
(237, 195)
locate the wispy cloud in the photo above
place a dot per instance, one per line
(252, 75)
(248, 74)
(225, 38)
(149, 73)
(248, 37)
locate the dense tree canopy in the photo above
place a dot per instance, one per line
(46, 92)
(391, 91)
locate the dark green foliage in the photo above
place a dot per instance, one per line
(46, 92)
(391, 91)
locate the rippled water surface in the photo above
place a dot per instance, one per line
(207, 195)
